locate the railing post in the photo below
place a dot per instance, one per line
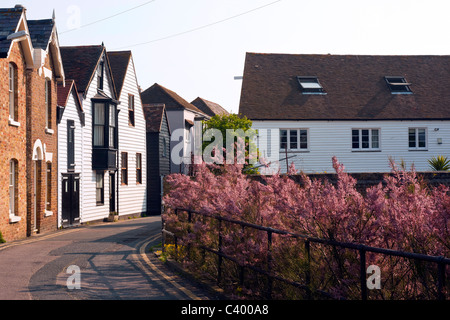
(308, 269)
(189, 231)
(441, 279)
(241, 269)
(269, 265)
(362, 275)
(176, 239)
(219, 262)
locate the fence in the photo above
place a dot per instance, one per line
(362, 250)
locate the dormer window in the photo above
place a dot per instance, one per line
(398, 85)
(310, 85)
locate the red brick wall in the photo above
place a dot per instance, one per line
(36, 125)
(13, 146)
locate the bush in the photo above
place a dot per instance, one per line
(440, 163)
(401, 214)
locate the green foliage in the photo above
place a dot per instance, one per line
(440, 163)
(2, 240)
(234, 122)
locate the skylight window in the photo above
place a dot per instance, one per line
(398, 85)
(310, 85)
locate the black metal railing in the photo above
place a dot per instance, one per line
(362, 250)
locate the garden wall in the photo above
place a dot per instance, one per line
(366, 180)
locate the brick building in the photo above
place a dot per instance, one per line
(30, 66)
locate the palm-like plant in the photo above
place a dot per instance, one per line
(440, 163)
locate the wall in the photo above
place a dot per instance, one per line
(367, 180)
(334, 138)
(70, 113)
(13, 146)
(132, 197)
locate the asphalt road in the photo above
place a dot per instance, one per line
(113, 261)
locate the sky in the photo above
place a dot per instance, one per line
(197, 47)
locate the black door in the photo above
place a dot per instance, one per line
(70, 199)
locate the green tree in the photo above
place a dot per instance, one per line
(235, 123)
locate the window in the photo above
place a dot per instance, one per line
(112, 126)
(48, 195)
(310, 85)
(164, 147)
(12, 187)
(417, 138)
(131, 110)
(187, 133)
(70, 145)
(12, 90)
(99, 124)
(48, 104)
(294, 139)
(99, 187)
(138, 168)
(124, 168)
(100, 72)
(398, 85)
(365, 139)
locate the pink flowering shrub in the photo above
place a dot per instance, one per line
(402, 213)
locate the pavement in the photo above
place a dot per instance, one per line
(107, 261)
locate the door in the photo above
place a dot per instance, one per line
(37, 196)
(70, 199)
(112, 192)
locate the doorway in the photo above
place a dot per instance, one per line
(112, 192)
(70, 199)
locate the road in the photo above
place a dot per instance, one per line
(113, 259)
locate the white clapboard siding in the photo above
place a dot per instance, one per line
(91, 211)
(70, 113)
(132, 139)
(334, 138)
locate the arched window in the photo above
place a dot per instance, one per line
(12, 86)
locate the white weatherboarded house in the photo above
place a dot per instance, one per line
(70, 119)
(89, 67)
(365, 110)
(132, 136)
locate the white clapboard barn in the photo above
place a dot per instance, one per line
(181, 116)
(132, 136)
(365, 110)
(70, 119)
(89, 67)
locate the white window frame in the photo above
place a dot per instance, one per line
(48, 106)
(12, 73)
(13, 217)
(288, 142)
(416, 147)
(11, 90)
(48, 187)
(370, 148)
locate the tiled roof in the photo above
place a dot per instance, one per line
(63, 93)
(119, 61)
(80, 63)
(208, 107)
(354, 85)
(9, 19)
(153, 114)
(40, 32)
(159, 94)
